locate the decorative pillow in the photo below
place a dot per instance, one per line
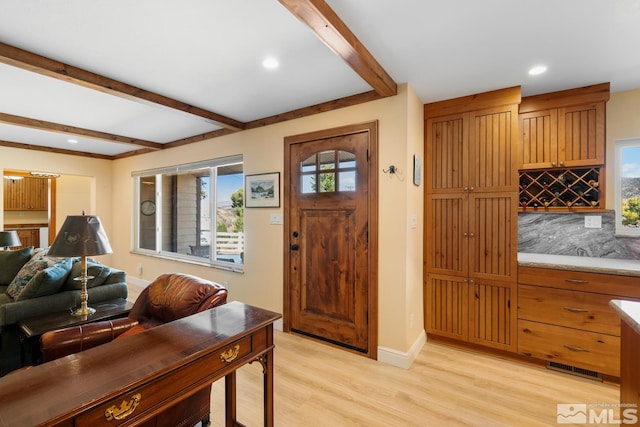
(11, 262)
(38, 262)
(99, 272)
(46, 282)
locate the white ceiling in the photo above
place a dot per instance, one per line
(208, 53)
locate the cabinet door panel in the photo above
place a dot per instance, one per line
(446, 244)
(493, 164)
(446, 153)
(581, 135)
(538, 139)
(493, 236)
(492, 317)
(446, 306)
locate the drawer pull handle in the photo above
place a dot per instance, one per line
(125, 409)
(574, 348)
(577, 282)
(230, 354)
(576, 310)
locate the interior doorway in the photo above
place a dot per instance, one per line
(330, 289)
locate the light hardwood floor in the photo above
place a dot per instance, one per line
(319, 385)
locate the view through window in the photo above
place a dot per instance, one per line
(628, 187)
(193, 212)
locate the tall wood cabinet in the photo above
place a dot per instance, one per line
(471, 186)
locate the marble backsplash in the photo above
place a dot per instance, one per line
(565, 234)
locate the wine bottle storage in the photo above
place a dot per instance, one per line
(559, 189)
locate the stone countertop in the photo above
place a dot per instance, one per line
(624, 267)
(629, 312)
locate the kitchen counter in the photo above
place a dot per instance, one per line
(22, 226)
(624, 267)
(629, 312)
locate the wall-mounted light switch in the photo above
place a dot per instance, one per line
(277, 219)
(593, 221)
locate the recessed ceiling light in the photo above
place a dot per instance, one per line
(538, 69)
(72, 141)
(270, 63)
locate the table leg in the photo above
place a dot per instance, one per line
(268, 389)
(230, 399)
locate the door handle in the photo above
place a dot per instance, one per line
(294, 247)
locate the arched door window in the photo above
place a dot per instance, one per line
(328, 172)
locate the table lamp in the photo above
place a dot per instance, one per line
(83, 236)
(9, 239)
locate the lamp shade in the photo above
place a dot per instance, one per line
(9, 238)
(80, 235)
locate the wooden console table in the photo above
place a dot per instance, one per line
(129, 382)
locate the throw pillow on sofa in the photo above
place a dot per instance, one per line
(46, 282)
(38, 262)
(11, 262)
(97, 271)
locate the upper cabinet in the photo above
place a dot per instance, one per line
(27, 194)
(563, 129)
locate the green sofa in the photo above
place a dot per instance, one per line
(33, 284)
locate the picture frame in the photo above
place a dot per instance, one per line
(262, 190)
(417, 170)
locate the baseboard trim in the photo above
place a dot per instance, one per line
(401, 359)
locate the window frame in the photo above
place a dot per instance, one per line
(158, 173)
(619, 146)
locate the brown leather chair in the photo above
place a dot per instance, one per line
(169, 297)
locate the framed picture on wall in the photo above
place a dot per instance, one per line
(262, 190)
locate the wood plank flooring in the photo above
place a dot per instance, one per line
(319, 385)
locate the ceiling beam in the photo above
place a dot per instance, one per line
(25, 60)
(72, 130)
(53, 150)
(338, 37)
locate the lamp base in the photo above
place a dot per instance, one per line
(83, 311)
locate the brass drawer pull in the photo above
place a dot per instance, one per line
(577, 282)
(576, 310)
(125, 409)
(574, 348)
(230, 354)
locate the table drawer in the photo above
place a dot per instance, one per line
(138, 401)
(574, 309)
(582, 349)
(611, 284)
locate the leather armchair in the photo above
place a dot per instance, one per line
(169, 297)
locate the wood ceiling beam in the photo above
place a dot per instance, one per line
(25, 60)
(338, 37)
(53, 150)
(72, 130)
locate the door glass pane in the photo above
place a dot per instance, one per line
(327, 182)
(309, 164)
(327, 160)
(346, 159)
(347, 180)
(308, 184)
(147, 226)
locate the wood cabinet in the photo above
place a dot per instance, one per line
(27, 194)
(564, 317)
(29, 237)
(563, 129)
(470, 250)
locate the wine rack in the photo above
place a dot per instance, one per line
(559, 189)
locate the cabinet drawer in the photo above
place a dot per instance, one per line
(587, 350)
(136, 402)
(611, 284)
(574, 309)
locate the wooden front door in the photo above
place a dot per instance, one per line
(329, 291)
